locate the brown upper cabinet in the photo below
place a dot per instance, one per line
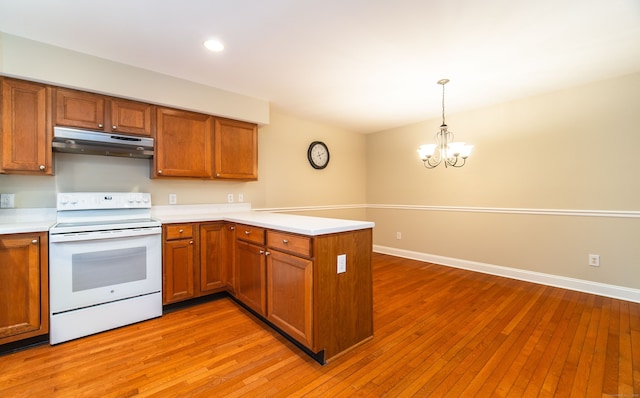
(25, 136)
(131, 117)
(98, 112)
(187, 144)
(184, 144)
(236, 150)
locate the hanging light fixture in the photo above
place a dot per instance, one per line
(453, 153)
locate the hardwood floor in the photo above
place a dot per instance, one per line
(439, 332)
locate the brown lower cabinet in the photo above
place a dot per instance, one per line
(290, 295)
(292, 281)
(196, 260)
(24, 286)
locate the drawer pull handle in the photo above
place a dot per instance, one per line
(285, 241)
(247, 232)
(181, 231)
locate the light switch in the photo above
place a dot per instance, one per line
(342, 263)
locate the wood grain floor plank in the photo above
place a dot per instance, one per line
(625, 377)
(595, 380)
(612, 361)
(634, 315)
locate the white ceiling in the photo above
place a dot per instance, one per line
(362, 65)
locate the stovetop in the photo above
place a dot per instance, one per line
(96, 211)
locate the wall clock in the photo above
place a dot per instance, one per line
(318, 155)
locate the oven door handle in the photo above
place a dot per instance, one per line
(100, 235)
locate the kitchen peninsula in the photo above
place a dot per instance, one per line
(309, 277)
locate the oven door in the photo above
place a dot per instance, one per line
(92, 268)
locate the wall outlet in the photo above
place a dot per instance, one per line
(230, 198)
(342, 263)
(398, 235)
(7, 201)
(173, 199)
(240, 198)
(594, 260)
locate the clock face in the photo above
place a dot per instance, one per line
(318, 155)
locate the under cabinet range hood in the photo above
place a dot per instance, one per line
(97, 143)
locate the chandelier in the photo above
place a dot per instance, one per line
(453, 153)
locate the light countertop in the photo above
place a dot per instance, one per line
(13, 221)
(17, 221)
(242, 214)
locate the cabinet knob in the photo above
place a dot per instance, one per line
(159, 171)
(247, 232)
(232, 228)
(181, 231)
(114, 127)
(34, 241)
(191, 242)
(267, 253)
(100, 125)
(261, 251)
(42, 167)
(285, 241)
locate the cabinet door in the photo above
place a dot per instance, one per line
(131, 117)
(178, 270)
(26, 128)
(184, 143)
(290, 295)
(250, 276)
(236, 150)
(228, 253)
(211, 257)
(79, 109)
(23, 286)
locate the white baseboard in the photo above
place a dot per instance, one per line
(601, 289)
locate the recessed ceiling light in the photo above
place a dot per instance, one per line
(214, 45)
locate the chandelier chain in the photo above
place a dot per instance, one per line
(443, 123)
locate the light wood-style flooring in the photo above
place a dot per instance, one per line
(439, 332)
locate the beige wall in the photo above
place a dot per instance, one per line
(571, 150)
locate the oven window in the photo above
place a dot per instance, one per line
(108, 268)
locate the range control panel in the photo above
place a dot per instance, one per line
(103, 200)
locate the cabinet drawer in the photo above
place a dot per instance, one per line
(250, 234)
(296, 244)
(178, 231)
